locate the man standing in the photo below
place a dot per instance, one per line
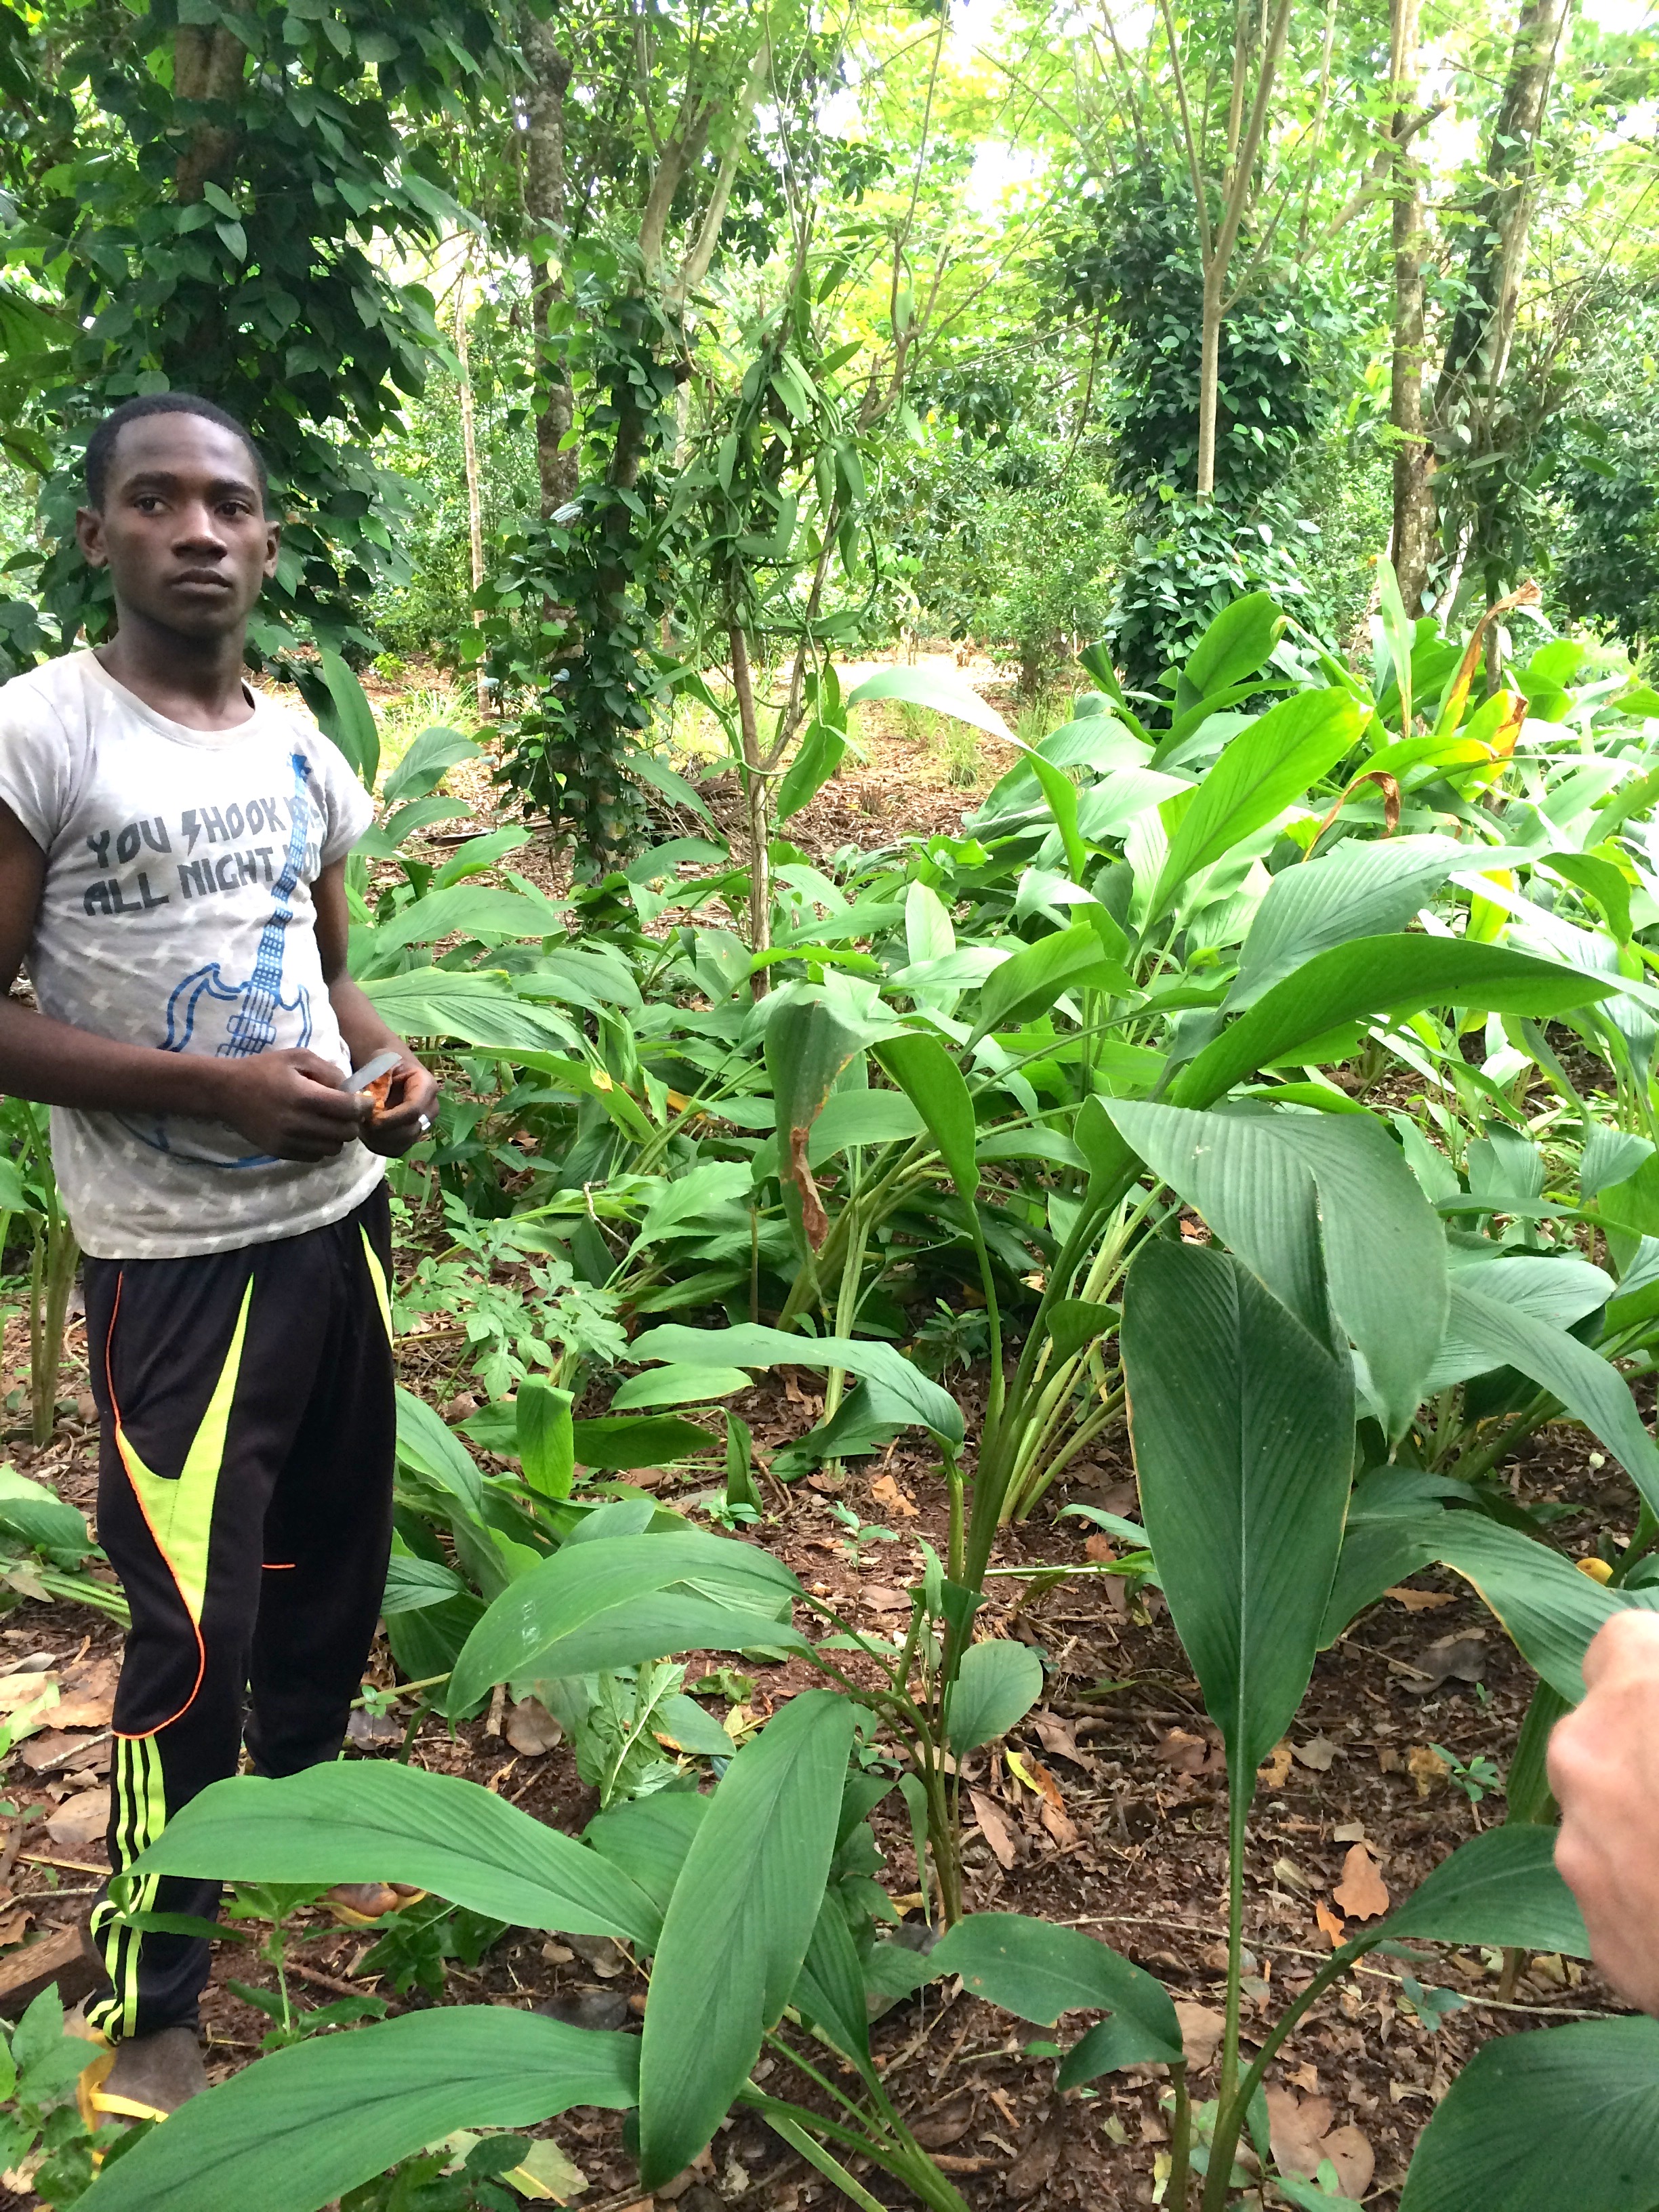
(172, 851)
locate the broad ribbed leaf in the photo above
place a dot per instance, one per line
(1242, 1428)
(424, 765)
(1028, 984)
(1500, 1889)
(592, 1597)
(861, 1117)
(1361, 890)
(294, 2131)
(1381, 975)
(738, 1925)
(428, 1445)
(379, 1820)
(467, 910)
(1592, 1391)
(1261, 771)
(1564, 2120)
(1038, 1971)
(1548, 1607)
(1384, 1246)
(933, 1082)
(997, 1685)
(445, 1002)
(751, 1345)
(945, 695)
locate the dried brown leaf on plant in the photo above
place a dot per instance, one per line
(1362, 1893)
(993, 1826)
(886, 1492)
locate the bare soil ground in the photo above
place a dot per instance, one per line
(1109, 1814)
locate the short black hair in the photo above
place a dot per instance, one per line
(101, 446)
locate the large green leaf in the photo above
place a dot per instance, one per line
(861, 1117)
(1548, 1607)
(1260, 772)
(293, 2132)
(346, 717)
(1381, 975)
(422, 766)
(1361, 890)
(1384, 1245)
(738, 1926)
(444, 1002)
(1564, 2120)
(611, 1603)
(1499, 1888)
(1038, 1971)
(934, 1085)
(945, 695)
(652, 1440)
(1242, 1428)
(751, 1345)
(431, 1447)
(466, 910)
(379, 1820)
(997, 1685)
(1029, 983)
(1593, 1391)
(1236, 644)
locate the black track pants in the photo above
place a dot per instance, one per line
(245, 1499)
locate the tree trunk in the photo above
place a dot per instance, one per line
(758, 795)
(544, 206)
(1477, 347)
(1209, 375)
(207, 64)
(470, 453)
(1413, 540)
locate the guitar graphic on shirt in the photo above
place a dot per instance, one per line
(250, 1026)
(243, 1013)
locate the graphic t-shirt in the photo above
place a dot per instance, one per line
(177, 913)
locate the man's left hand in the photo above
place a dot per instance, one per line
(409, 1112)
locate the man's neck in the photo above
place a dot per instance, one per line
(192, 680)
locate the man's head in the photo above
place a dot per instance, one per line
(177, 490)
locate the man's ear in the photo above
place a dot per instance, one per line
(273, 544)
(89, 534)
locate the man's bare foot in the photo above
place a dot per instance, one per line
(160, 2072)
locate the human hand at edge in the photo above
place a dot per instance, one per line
(1604, 1770)
(288, 1102)
(409, 1112)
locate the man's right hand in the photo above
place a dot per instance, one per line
(1604, 1770)
(289, 1103)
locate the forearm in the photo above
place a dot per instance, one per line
(57, 1065)
(361, 1024)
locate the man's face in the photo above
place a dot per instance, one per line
(182, 530)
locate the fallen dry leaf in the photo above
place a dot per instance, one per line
(993, 1826)
(1316, 1755)
(1039, 2155)
(881, 1598)
(81, 1818)
(885, 1492)
(1349, 2151)
(1059, 1826)
(83, 1707)
(1275, 1770)
(1362, 1893)
(1202, 2030)
(67, 1753)
(939, 2129)
(1190, 1755)
(1458, 1658)
(17, 1690)
(1298, 2126)
(1303, 2077)
(1416, 1600)
(1059, 1739)
(1426, 1768)
(1287, 1872)
(1098, 1550)
(531, 1730)
(1329, 1926)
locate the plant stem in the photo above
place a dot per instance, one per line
(1181, 2139)
(1238, 1812)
